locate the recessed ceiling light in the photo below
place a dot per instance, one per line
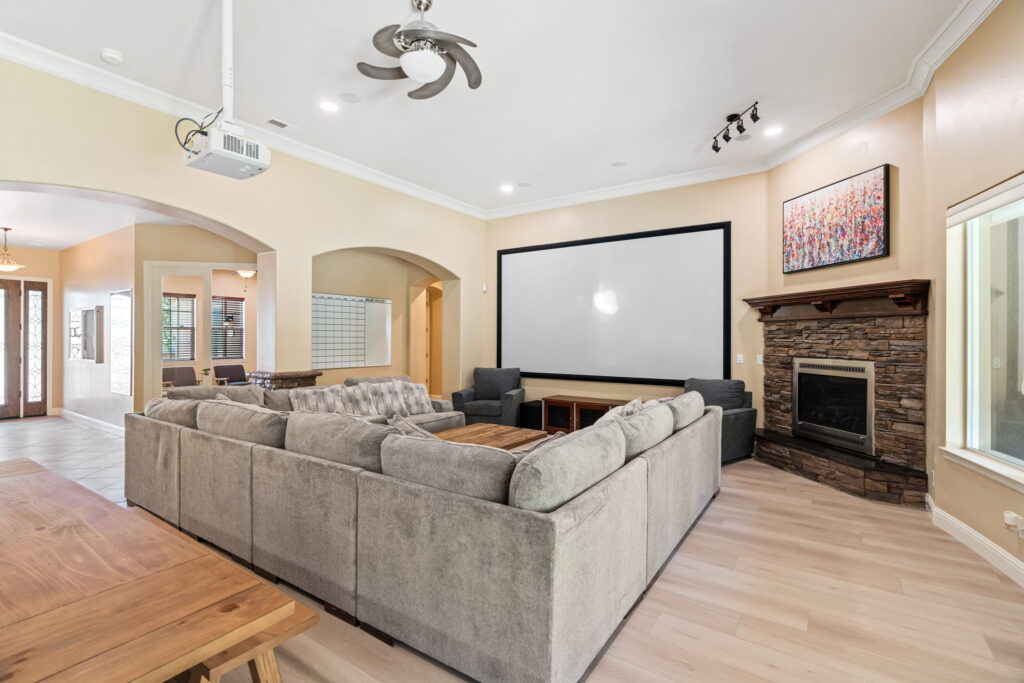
(773, 131)
(619, 164)
(525, 185)
(329, 106)
(111, 56)
(350, 97)
(508, 187)
(35, 244)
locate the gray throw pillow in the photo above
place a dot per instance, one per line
(181, 412)
(340, 438)
(278, 399)
(686, 409)
(242, 421)
(468, 469)
(409, 428)
(386, 398)
(352, 381)
(646, 429)
(416, 398)
(314, 400)
(353, 400)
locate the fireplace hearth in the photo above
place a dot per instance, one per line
(844, 388)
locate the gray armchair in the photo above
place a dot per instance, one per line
(739, 417)
(495, 397)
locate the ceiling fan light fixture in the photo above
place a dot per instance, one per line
(423, 63)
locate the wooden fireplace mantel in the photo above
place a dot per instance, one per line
(904, 297)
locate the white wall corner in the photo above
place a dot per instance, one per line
(994, 554)
(91, 422)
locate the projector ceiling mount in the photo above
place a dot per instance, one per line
(425, 55)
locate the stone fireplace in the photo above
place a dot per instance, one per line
(863, 436)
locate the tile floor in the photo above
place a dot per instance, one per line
(90, 456)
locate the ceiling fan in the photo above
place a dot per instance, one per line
(425, 55)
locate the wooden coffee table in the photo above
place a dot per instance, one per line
(496, 436)
(90, 591)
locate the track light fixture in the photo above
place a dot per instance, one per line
(726, 132)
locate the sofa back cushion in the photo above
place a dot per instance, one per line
(242, 421)
(339, 438)
(352, 381)
(182, 412)
(491, 383)
(727, 393)
(468, 469)
(686, 409)
(249, 393)
(278, 399)
(646, 429)
(558, 472)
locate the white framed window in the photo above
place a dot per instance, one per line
(985, 324)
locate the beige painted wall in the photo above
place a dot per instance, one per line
(89, 273)
(365, 273)
(739, 200)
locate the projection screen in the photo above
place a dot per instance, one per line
(648, 307)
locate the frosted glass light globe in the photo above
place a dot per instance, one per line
(423, 65)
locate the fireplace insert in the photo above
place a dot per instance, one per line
(834, 402)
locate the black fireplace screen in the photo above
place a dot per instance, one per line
(835, 402)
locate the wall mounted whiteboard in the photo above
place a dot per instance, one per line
(648, 307)
(350, 331)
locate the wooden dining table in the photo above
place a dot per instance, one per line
(90, 591)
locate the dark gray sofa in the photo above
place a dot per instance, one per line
(739, 417)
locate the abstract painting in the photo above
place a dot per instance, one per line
(843, 222)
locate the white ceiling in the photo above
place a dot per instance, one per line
(568, 87)
(48, 221)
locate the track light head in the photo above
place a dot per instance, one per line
(740, 128)
(725, 135)
(753, 115)
(715, 146)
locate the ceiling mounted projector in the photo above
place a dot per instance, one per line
(217, 144)
(425, 55)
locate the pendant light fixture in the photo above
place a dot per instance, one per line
(7, 262)
(246, 274)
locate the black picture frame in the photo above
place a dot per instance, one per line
(886, 247)
(724, 226)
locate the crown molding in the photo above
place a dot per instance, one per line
(34, 56)
(952, 33)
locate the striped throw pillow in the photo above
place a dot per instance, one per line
(416, 398)
(386, 397)
(320, 400)
(353, 400)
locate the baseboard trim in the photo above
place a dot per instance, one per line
(994, 554)
(91, 422)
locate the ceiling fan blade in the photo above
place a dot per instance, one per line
(384, 41)
(468, 64)
(384, 73)
(430, 89)
(412, 34)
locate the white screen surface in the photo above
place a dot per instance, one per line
(640, 308)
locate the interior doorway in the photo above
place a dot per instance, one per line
(24, 348)
(435, 326)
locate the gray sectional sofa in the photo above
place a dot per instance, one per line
(504, 566)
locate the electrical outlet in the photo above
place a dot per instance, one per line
(739, 358)
(760, 359)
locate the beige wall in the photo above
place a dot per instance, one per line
(365, 273)
(89, 273)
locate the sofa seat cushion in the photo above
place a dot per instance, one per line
(278, 399)
(242, 421)
(486, 408)
(439, 422)
(646, 429)
(249, 393)
(339, 438)
(556, 473)
(686, 409)
(491, 383)
(181, 412)
(467, 469)
(727, 393)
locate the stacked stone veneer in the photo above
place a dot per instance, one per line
(897, 345)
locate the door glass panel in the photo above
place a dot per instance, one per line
(34, 352)
(3, 346)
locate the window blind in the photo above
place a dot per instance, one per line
(227, 328)
(179, 327)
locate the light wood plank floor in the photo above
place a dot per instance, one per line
(782, 580)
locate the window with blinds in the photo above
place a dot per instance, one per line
(227, 328)
(179, 331)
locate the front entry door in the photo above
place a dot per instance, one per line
(23, 348)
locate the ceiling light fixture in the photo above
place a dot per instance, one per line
(741, 129)
(508, 187)
(246, 274)
(773, 131)
(330, 107)
(7, 262)
(111, 56)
